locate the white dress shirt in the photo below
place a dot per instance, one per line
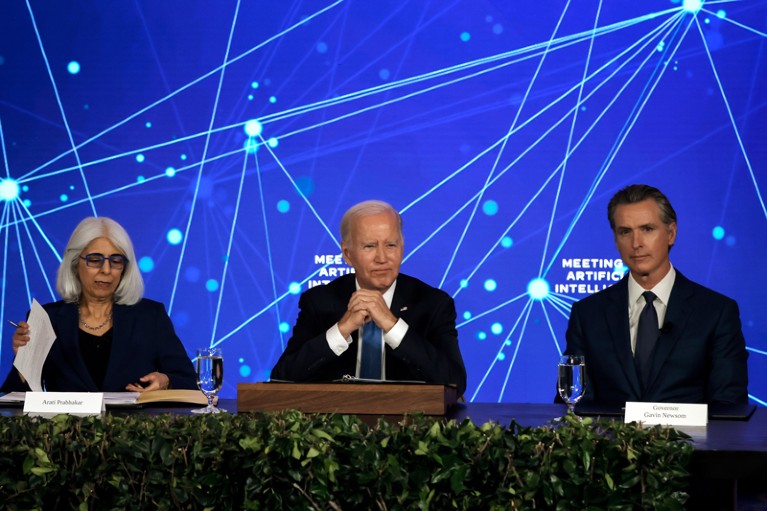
(339, 344)
(662, 292)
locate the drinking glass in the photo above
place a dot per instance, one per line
(571, 379)
(210, 376)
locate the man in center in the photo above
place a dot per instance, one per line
(335, 333)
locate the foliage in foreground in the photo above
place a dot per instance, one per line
(293, 461)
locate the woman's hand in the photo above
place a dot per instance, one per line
(151, 381)
(20, 336)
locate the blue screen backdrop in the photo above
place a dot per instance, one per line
(229, 137)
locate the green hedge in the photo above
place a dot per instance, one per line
(294, 461)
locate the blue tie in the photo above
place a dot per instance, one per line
(647, 336)
(370, 363)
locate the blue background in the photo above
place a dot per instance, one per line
(229, 138)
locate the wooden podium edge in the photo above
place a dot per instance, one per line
(347, 398)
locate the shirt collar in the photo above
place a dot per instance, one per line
(662, 289)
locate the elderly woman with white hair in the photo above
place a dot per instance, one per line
(108, 337)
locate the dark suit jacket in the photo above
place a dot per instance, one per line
(429, 351)
(143, 341)
(700, 356)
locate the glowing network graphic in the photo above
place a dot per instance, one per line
(230, 141)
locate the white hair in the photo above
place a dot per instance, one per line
(363, 209)
(131, 287)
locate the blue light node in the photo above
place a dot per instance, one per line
(384, 74)
(9, 189)
(27, 203)
(661, 46)
(305, 184)
(73, 67)
(273, 142)
(465, 37)
(294, 288)
(507, 242)
(250, 97)
(71, 187)
(464, 283)
(25, 188)
(538, 289)
(501, 356)
(241, 360)
(250, 145)
(146, 264)
(253, 128)
(721, 14)
(211, 285)
(481, 335)
(466, 315)
(192, 274)
(140, 179)
(63, 197)
(507, 342)
(245, 371)
(322, 47)
(491, 285)
(254, 85)
(174, 236)
(140, 158)
(490, 207)
(718, 232)
(170, 172)
(692, 6)
(283, 206)
(497, 29)
(496, 328)
(148, 124)
(284, 327)
(272, 99)
(183, 157)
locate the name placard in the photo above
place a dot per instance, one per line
(668, 414)
(48, 404)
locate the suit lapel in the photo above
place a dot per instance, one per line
(399, 305)
(618, 323)
(677, 312)
(121, 348)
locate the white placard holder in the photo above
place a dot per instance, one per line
(667, 414)
(48, 404)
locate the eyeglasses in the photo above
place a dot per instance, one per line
(116, 261)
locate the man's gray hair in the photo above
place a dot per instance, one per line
(363, 209)
(637, 193)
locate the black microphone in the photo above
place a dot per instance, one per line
(666, 328)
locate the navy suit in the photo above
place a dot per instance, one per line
(429, 351)
(700, 356)
(143, 341)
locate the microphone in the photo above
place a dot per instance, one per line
(666, 328)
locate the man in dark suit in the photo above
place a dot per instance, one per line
(419, 337)
(694, 352)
